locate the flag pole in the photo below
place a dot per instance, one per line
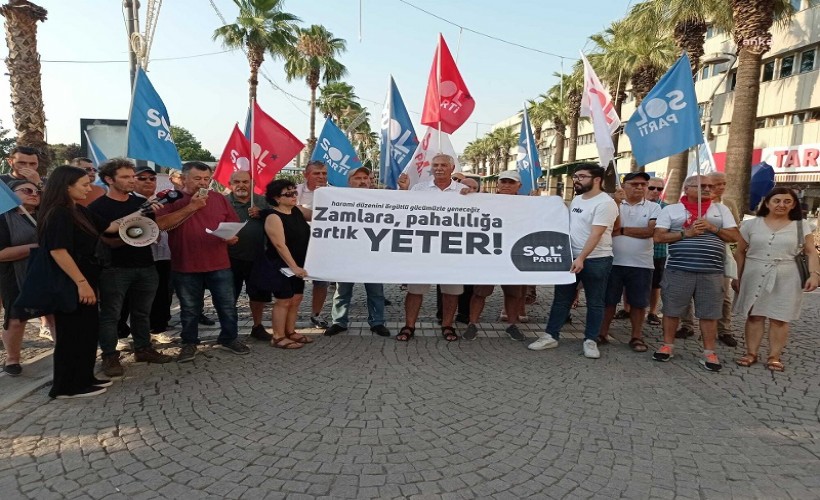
(389, 146)
(27, 214)
(697, 167)
(438, 87)
(253, 156)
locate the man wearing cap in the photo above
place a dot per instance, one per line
(249, 248)
(632, 263)
(132, 273)
(592, 215)
(442, 167)
(697, 234)
(509, 182)
(360, 178)
(315, 177)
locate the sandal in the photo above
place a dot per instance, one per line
(449, 333)
(637, 345)
(285, 343)
(774, 364)
(622, 314)
(601, 340)
(298, 337)
(653, 319)
(405, 334)
(747, 360)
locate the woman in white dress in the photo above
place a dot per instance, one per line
(769, 284)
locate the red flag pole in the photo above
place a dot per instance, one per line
(438, 88)
(253, 156)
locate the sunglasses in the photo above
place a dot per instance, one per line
(289, 194)
(29, 191)
(654, 188)
(146, 179)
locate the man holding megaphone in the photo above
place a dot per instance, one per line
(131, 272)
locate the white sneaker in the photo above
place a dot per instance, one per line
(161, 338)
(591, 349)
(45, 333)
(123, 345)
(545, 342)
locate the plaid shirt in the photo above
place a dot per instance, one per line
(661, 250)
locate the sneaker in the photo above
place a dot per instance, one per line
(663, 354)
(515, 333)
(684, 333)
(45, 333)
(258, 332)
(380, 330)
(85, 393)
(591, 349)
(13, 370)
(123, 345)
(471, 332)
(151, 355)
(111, 366)
(235, 346)
(727, 339)
(318, 321)
(96, 382)
(187, 353)
(523, 318)
(161, 338)
(711, 362)
(334, 329)
(205, 320)
(545, 342)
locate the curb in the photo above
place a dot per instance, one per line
(37, 373)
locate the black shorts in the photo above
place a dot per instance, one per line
(635, 280)
(657, 276)
(241, 274)
(287, 287)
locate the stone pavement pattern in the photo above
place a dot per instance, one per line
(358, 416)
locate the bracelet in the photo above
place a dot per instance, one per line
(81, 281)
(816, 272)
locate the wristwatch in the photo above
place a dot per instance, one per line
(683, 234)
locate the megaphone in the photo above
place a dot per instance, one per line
(138, 231)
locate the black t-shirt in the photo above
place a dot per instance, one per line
(62, 232)
(110, 210)
(297, 235)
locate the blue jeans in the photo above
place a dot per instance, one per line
(375, 303)
(190, 289)
(594, 277)
(140, 283)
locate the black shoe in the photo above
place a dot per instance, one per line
(187, 353)
(684, 333)
(205, 320)
(515, 333)
(235, 346)
(258, 332)
(335, 329)
(380, 330)
(727, 339)
(471, 332)
(101, 383)
(13, 370)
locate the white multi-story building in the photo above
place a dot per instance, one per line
(788, 125)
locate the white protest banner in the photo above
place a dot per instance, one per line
(385, 236)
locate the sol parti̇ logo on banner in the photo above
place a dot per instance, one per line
(658, 113)
(543, 251)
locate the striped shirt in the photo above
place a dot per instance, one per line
(696, 254)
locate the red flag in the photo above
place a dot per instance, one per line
(447, 100)
(235, 157)
(274, 147)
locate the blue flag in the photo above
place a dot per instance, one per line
(94, 152)
(149, 128)
(528, 163)
(667, 120)
(334, 149)
(8, 200)
(398, 138)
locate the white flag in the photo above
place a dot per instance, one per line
(707, 160)
(597, 105)
(418, 170)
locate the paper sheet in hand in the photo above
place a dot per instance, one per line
(290, 274)
(226, 230)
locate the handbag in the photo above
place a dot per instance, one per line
(47, 288)
(801, 258)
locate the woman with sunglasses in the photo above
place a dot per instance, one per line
(288, 233)
(18, 235)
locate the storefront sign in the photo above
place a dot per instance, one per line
(793, 159)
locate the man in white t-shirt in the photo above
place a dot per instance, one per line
(315, 178)
(592, 215)
(633, 261)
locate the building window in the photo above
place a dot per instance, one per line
(807, 61)
(768, 71)
(797, 118)
(710, 31)
(760, 123)
(787, 66)
(732, 81)
(777, 121)
(704, 73)
(813, 115)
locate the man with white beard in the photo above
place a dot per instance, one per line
(249, 247)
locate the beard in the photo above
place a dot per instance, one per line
(241, 192)
(581, 189)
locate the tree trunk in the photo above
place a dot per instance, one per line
(311, 143)
(573, 138)
(255, 59)
(558, 157)
(742, 129)
(23, 63)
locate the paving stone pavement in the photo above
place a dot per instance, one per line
(360, 416)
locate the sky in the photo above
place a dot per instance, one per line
(208, 94)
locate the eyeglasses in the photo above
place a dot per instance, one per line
(580, 177)
(29, 191)
(147, 179)
(290, 194)
(655, 188)
(90, 169)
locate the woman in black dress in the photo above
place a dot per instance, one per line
(288, 234)
(18, 235)
(70, 233)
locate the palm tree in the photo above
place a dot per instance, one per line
(260, 27)
(23, 65)
(570, 90)
(557, 115)
(336, 99)
(502, 140)
(753, 20)
(314, 59)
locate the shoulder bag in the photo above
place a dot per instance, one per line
(801, 258)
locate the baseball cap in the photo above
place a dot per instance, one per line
(367, 170)
(510, 174)
(635, 175)
(144, 168)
